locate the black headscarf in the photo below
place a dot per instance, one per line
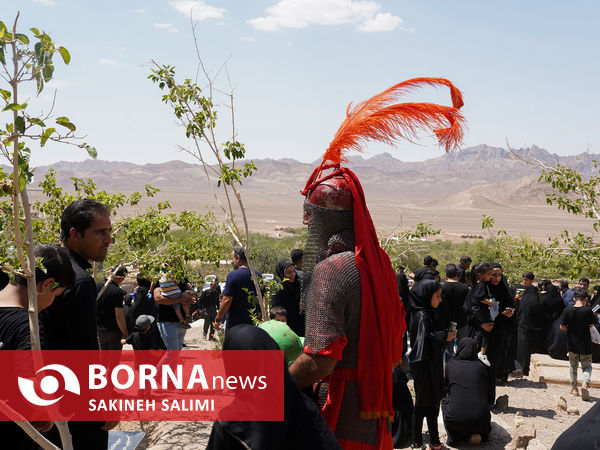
(552, 301)
(531, 316)
(467, 349)
(303, 425)
(289, 298)
(420, 295)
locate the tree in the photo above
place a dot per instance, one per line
(196, 112)
(28, 63)
(578, 194)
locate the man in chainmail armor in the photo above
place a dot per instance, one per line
(354, 316)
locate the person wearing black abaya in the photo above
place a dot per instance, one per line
(403, 409)
(465, 408)
(551, 300)
(501, 337)
(583, 434)
(289, 296)
(303, 426)
(530, 327)
(426, 366)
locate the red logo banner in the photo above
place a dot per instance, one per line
(141, 385)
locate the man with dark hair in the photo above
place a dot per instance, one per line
(235, 296)
(528, 278)
(454, 295)
(112, 326)
(463, 266)
(567, 293)
(427, 271)
(584, 283)
(297, 257)
(70, 322)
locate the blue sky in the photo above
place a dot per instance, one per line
(528, 70)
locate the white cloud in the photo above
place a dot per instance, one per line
(109, 62)
(381, 22)
(140, 11)
(198, 10)
(45, 2)
(247, 39)
(57, 84)
(166, 26)
(303, 13)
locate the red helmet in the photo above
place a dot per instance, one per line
(332, 193)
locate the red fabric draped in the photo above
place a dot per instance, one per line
(382, 323)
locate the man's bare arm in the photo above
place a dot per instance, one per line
(308, 369)
(225, 305)
(162, 300)
(120, 316)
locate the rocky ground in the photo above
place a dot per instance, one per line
(532, 408)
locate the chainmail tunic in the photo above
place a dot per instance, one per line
(333, 309)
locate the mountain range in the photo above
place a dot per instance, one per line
(476, 179)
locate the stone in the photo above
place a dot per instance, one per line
(502, 403)
(573, 410)
(519, 413)
(524, 432)
(534, 444)
(561, 403)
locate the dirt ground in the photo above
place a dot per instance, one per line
(536, 402)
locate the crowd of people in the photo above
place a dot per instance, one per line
(460, 333)
(469, 332)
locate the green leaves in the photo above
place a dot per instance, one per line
(5, 94)
(20, 124)
(65, 122)
(22, 38)
(65, 55)
(91, 151)
(14, 107)
(45, 135)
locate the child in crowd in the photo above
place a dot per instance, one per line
(477, 306)
(146, 335)
(278, 313)
(577, 320)
(170, 289)
(286, 339)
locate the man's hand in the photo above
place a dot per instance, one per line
(451, 336)
(217, 325)
(488, 302)
(508, 312)
(189, 297)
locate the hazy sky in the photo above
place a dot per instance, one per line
(528, 70)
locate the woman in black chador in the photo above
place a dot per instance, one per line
(289, 296)
(531, 327)
(427, 343)
(465, 408)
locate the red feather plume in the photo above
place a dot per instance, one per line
(381, 118)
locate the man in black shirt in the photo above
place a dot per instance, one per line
(454, 294)
(110, 317)
(70, 322)
(463, 266)
(577, 321)
(209, 302)
(14, 323)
